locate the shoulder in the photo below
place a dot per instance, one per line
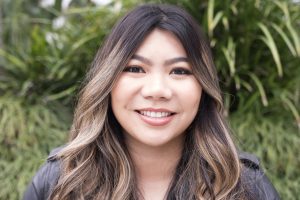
(255, 180)
(45, 179)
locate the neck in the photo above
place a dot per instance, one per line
(155, 165)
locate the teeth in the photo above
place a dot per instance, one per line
(155, 114)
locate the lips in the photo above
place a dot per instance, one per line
(154, 114)
(156, 117)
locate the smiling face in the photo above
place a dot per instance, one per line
(156, 97)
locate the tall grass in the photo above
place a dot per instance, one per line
(42, 62)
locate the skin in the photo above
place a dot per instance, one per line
(157, 79)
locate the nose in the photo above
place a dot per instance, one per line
(156, 87)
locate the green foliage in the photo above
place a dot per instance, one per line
(256, 47)
(28, 133)
(276, 143)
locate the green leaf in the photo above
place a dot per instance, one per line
(260, 89)
(229, 53)
(15, 61)
(295, 37)
(285, 38)
(292, 108)
(212, 20)
(269, 41)
(61, 94)
(210, 16)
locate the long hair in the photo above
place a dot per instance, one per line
(96, 164)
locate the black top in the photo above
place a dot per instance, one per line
(253, 176)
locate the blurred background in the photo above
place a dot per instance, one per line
(47, 45)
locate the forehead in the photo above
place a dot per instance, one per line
(161, 42)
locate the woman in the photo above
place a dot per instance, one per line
(149, 124)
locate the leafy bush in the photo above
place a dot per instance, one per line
(45, 52)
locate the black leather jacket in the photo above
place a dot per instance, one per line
(47, 176)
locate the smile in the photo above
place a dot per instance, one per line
(155, 114)
(156, 117)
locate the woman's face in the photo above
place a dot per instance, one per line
(156, 97)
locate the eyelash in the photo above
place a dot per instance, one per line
(181, 71)
(176, 71)
(134, 69)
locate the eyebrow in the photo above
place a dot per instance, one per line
(167, 62)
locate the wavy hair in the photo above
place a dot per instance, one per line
(96, 164)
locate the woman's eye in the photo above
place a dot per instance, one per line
(181, 71)
(134, 69)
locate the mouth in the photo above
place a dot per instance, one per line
(155, 114)
(156, 117)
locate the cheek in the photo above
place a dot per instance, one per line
(117, 94)
(122, 92)
(190, 95)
